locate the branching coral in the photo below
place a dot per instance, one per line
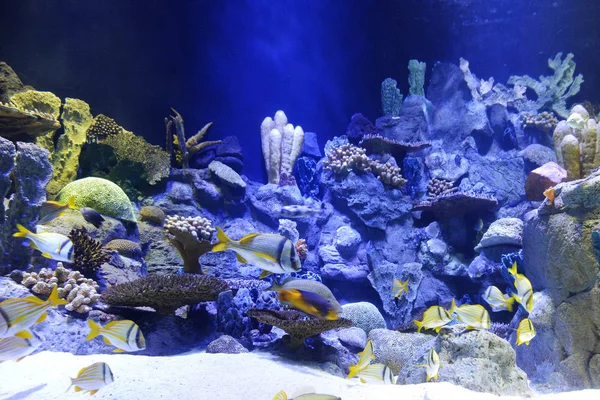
(487, 92)
(346, 158)
(544, 121)
(165, 293)
(101, 128)
(552, 91)
(191, 237)
(297, 324)
(281, 145)
(187, 148)
(438, 186)
(78, 290)
(89, 255)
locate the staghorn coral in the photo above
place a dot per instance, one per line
(437, 186)
(346, 158)
(552, 91)
(297, 325)
(155, 162)
(544, 121)
(191, 237)
(100, 194)
(101, 128)
(72, 286)
(88, 253)
(456, 204)
(165, 293)
(153, 214)
(124, 247)
(281, 145)
(186, 148)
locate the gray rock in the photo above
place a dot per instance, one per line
(412, 124)
(353, 337)
(395, 349)
(363, 315)
(444, 165)
(10, 289)
(179, 192)
(288, 228)
(120, 270)
(595, 370)
(433, 230)
(347, 241)
(502, 232)
(502, 176)
(538, 154)
(437, 247)
(225, 344)
(477, 360)
(311, 147)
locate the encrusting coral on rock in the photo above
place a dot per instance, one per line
(439, 186)
(191, 237)
(101, 128)
(544, 121)
(153, 214)
(281, 146)
(72, 286)
(165, 293)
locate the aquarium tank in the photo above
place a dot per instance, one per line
(299, 199)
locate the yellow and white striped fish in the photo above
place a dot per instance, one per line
(282, 395)
(399, 287)
(18, 315)
(53, 209)
(434, 318)
(377, 373)
(498, 300)
(125, 335)
(525, 332)
(363, 362)
(524, 289)
(16, 348)
(93, 378)
(52, 245)
(475, 316)
(270, 252)
(432, 365)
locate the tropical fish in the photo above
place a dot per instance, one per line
(525, 332)
(432, 366)
(434, 318)
(524, 293)
(92, 216)
(308, 302)
(377, 373)
(125, 335)
(399, 287)
(311, 286)
(17, 348)
(298, 211)
(363, 362)
(19, 314)
(577, 121)
(475, 316)
(498, 300)
(53, 209)
(93, 378)
(271, 252)
(478, 225)
(550, 194)
(52, 245)
(307, 396)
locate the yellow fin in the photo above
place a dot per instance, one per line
(362, 380)
(118, 351)
(78, 389)
(241, 259)
(93, 392)
(42, 318)
(106, 341)
(281, 396)
(24, 335)
(54, 300)
(264, 274)
(47, 255)
(71, 203)
(94, 330)
(19, 359)
(22, 231)
(249, 237)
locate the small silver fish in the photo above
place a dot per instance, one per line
(93, 378)
(298, 211)
(125, 335)
(16, 348)
(270, 252)
(51, 244)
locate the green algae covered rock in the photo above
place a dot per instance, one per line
(100, 194)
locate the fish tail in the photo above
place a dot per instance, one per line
(95, 329)
(353, 371)
(509, 303)
(419, 325)
(71, 203)
(513, 270)
(71, 385)
(22, 231)
(54, 300)
(453, 307)
(223, 241)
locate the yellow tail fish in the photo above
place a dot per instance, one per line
(125, 335)
(93, 378)
(51, 244)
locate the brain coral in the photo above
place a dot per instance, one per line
(100, 194)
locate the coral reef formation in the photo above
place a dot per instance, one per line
(124, 247)
(153, 214)
(281, 146)
(46, 103)
(296, 324)
(437, 187)
(377, 144)
(79, 291)
(544, 121)
(552, 91)
(9, 82)
(164, 293)
(76, 119)
(391, 98)
(416, 77)
(191, 237)
(100, 194)
(349, 158)
(15, 121)
(88, 253)
(101, 128)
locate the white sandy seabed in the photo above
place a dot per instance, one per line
(201, 376)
